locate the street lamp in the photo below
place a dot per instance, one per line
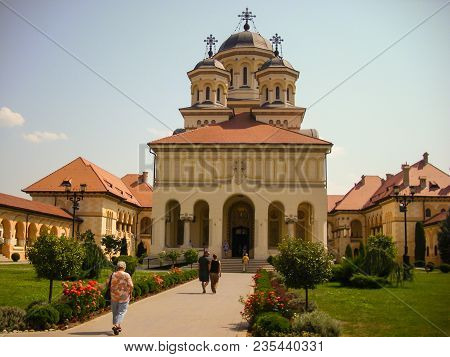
(75, 197)
(404, 201)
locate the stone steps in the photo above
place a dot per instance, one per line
(235, 265)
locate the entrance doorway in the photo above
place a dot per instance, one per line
(239, 219)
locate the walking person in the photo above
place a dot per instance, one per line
(226, 248)
(204, 266)
(121, 287)
(245, 260)
(215, 273)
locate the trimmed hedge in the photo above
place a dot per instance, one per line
(65, 311)
(362, 281)
(15, 257)
(12, 318)
(131, 263)
(445, 268)
(42, 317)
(269, 323)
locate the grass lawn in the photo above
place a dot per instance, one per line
(420, 308)
(19, 285)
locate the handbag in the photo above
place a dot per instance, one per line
(108, 289)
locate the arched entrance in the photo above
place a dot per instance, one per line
(239, 225)
(200, 226)
(174, 225)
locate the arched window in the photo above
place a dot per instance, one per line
(435, 250)
(198, 95)
(218, 94)
(275, 223)
(199, 123)
(213, 121)
(206, 122)
(146, 225)
(208, 94)
(244, 76)
(267, 94)
(427, 212)
(231, 79)
(277, 93)
(428, 251)
(288, 95)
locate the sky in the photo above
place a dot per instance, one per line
(93, 85)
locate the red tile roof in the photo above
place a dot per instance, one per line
(359, 195)
(34, 206)
(140, 189)
(430, 173)
(241, 129)
(82, 171)
(437, 218)
(332, 200)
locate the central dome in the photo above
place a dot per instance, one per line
(246, 39)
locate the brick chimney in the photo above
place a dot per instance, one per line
(405, 170)
(389, 176)
(145, 176)
(425, 158)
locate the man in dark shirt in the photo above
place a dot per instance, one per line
(204, 265)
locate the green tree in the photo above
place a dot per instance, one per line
(191, 256)
(348, 252)
(173, 256)
(303, 264)
(444, 240)
(141, 252)
(420, 246)
(111, 244)
(380, 259)
(56, 258)
(362, 250)
(94, 258)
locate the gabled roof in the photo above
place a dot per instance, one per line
(359, 195)
(82, 171)
(437, 183)
(333, 200)
(33, 206)
(241, 129)
(437, 218)
(140, 189)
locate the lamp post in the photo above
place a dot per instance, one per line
(75, 197)
(404, 201)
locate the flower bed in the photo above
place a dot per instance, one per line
(82, 301)
(273, 311)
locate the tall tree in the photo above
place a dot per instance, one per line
(348, 252)
(112, 245)
(444, 240)
(419, 250)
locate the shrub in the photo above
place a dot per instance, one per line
(298, 305)
(191, 256)
(348, 252)
(94, 258)
(12, 318)
(65, 312)
(419, 263)
(362, 281)
(141, 252)
(15, 257)
(262, 281)
(316, 322)
(262, 301)
(137, 291)
(123, 246)
(114, 260)
(173, 256)
(144, 287)
(131, 263)
(380, 256)
(42, 317)
(83, 298)
(270, 260)
(429, 267)
(35, 303)
(445, 268)
(420, 245)
(268, 323)
(444, 240)
(112, 245)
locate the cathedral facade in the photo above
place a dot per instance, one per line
(241, 173)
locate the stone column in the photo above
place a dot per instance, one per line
(187, 218)
(291, 220)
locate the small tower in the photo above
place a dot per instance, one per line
(209, 90)
(276, 80)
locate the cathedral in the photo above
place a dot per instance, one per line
(241, 173)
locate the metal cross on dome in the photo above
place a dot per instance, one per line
(247, 16)
(276, 40)
(210, 42)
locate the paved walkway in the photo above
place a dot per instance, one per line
(181, 311)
